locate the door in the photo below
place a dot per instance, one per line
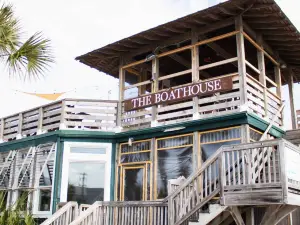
(134, 183)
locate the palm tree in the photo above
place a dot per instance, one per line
(29, 58)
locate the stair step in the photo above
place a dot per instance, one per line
(205, 218)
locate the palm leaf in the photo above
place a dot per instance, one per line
(9, 30)
(32, 58)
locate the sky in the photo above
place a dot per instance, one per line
(76, 27)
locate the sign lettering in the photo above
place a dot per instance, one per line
(181, 93)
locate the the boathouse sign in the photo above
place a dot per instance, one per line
(180, 93)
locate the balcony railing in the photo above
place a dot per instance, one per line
(75, 114)
(64, 114)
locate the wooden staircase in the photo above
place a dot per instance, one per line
(235, 177)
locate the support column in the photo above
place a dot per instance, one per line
(250, 216)
(241, 62)
(277, 72)
(155, 75)
(195, 73)
(121, 94)
(262, 75)
(197, 156)
(292, 103)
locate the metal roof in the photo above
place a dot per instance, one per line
(263, 16)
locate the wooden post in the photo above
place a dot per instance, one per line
(121, 94)
(196, 151)
(262, 75)
(245, 133)
(292, 104)
(153, 166)
(241, 59)
(277, 72)
(195, 73)
(40, 121)
(250, 216)
(155, 75)
(20, 124)
(62, 124)
(2, 130)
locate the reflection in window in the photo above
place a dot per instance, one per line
(86, 182)
(133, 184)
(45, 200)
(173, 160)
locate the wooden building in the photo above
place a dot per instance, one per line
(196, 137)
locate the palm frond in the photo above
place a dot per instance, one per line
(32, 58)
(9, 30)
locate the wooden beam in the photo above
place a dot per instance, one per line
(236, 214)
(195, 72)
(292, 101)
(121, 92)
(155, 76)
(277, 72)
(186, 36)
(270, 212)
(262, 75)
(284, 211)
(250, 217)
(241, 59)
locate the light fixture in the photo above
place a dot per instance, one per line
(150, 57)
(174, 129)
(283, 66)
(130, 140)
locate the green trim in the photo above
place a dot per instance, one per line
(58, 174)
(262, 125)
(112, 173)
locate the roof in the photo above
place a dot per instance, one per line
(263, 16)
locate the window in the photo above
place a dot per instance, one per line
(211, 141)
(174, 159)
(86, 172)
(44, 200)
(86, 182)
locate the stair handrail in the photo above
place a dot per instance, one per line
(217, 156)
(68, 213)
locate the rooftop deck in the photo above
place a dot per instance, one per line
(101, 115)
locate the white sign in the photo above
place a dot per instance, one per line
(292, 164)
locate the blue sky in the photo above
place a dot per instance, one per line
(76, 27)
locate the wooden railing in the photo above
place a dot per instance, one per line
(257, 173)
(64, 114)
(125, 213)
(64, 215)
(263, 102)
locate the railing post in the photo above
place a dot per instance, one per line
(20, 124)
(62, 124)
(121, 94)
(2, 130)
(40, 121)
(170, 211)
(283, 171)
(222, 177)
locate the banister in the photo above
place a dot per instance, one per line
(60, 212)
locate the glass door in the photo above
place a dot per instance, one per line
(133, 183)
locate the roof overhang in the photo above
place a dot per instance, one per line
(263, 16)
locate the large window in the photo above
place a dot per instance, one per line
(174, 159)
(211, 141)
(86, 172)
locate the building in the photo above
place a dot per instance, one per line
(195, 137)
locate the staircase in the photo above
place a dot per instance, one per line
(235, 176)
